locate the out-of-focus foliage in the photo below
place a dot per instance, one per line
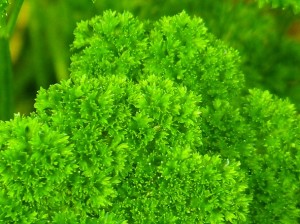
(3, 13)
(294, 4)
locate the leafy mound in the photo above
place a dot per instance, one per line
(152, 127)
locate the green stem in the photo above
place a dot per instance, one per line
(6, 99)
(6, 74)
(13, 17)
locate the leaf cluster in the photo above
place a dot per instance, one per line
(152, 127)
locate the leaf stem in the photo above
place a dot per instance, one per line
(13, 17)
(6, 74)
(6, 92)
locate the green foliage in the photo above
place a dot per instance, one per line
(229, 123)
(153, 126)
(259, 35)
(183, 187)
(176, 47)
(273, 135)
(35, 164)
(149, 130)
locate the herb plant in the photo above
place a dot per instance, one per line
(154, 125)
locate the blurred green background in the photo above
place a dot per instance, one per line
(268, 40)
